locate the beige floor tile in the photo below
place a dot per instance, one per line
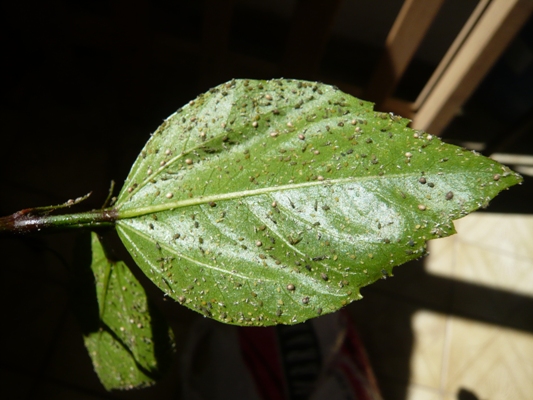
(415, 392)
(493, 268)
(502, 234)
(496, 362)
(507, 233)
(490, 251)
(428, 348)
(462, 394)
(499, 279)
(441, 256)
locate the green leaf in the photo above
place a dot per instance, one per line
(267, 202)
(130, 347)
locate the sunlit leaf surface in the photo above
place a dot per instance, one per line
(124, 349)
(266, 202)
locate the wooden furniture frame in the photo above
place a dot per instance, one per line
(484, 37)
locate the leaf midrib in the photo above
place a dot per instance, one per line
(140, 211)
(137, 212)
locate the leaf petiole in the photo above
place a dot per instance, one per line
(34, 220)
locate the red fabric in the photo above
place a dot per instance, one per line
(259, 350)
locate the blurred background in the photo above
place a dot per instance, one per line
(85, 82)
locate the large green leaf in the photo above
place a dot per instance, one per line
(266, 202)
(130, 346)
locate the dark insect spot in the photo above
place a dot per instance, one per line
(449, 195)
(294, 241)
(205, 311)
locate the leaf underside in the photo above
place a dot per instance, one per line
(268, 202)
(123, 349)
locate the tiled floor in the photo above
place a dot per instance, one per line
(451, 352)
(459, 323)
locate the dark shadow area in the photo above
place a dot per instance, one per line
(266, 42)
(414, 286)
(465, 394)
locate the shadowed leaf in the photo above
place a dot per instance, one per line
(124, 349)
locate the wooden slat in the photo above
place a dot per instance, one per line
(403, 40)
(497, 26)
